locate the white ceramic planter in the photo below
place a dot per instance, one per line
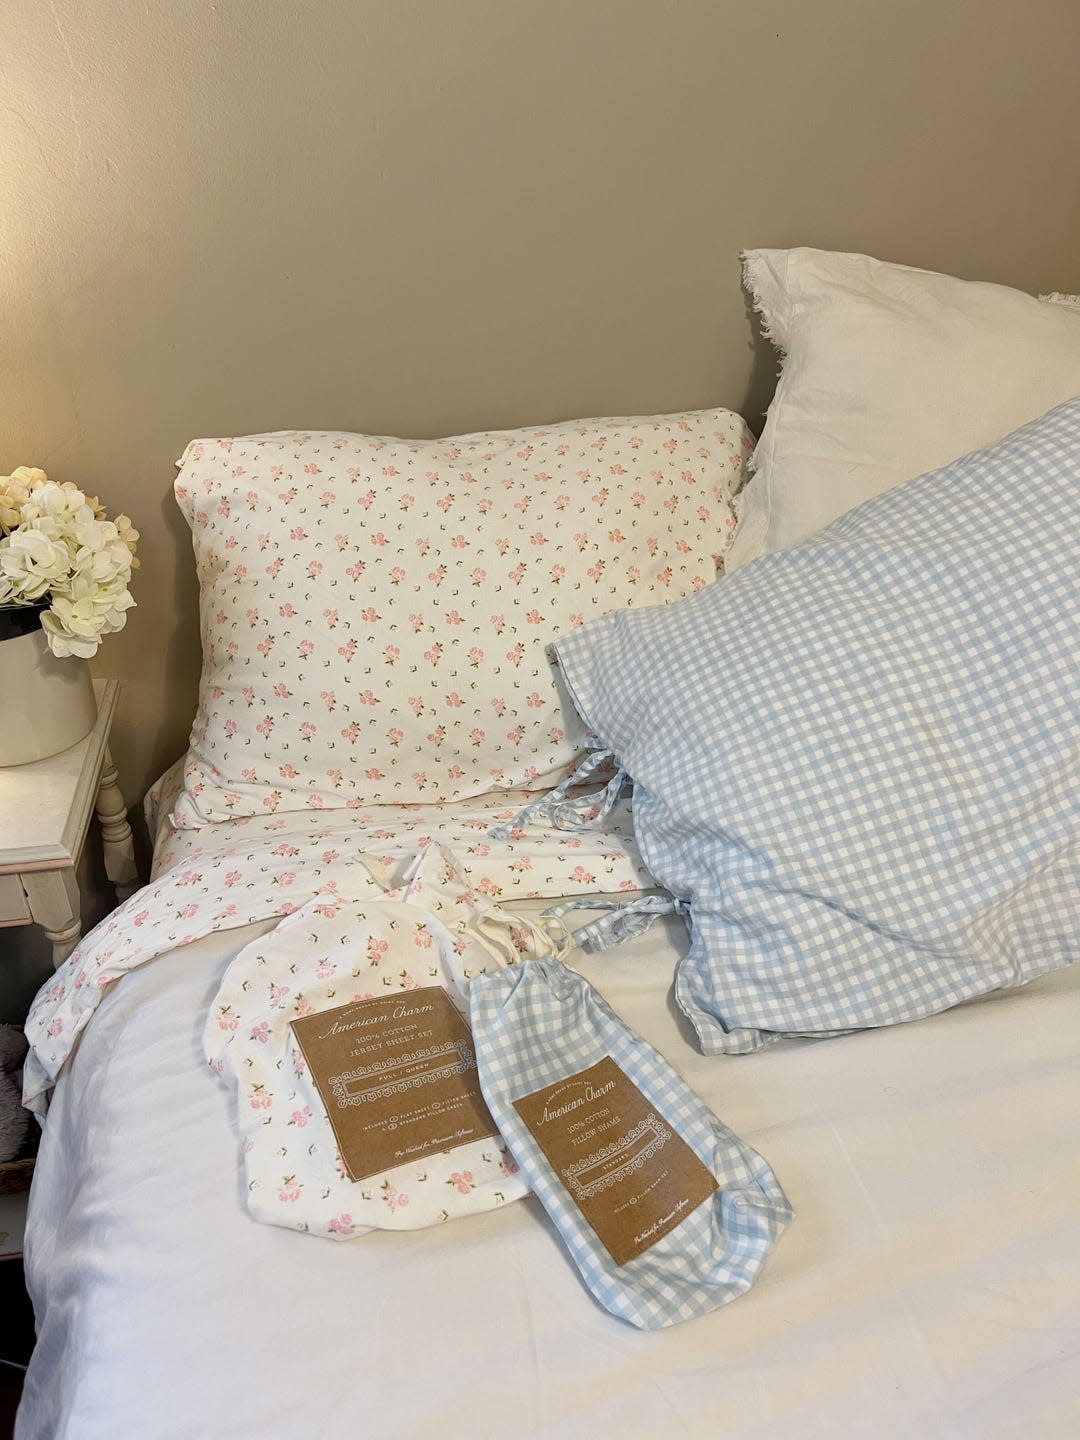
(46, 704)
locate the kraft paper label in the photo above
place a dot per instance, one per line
(397, 1075)
(631, 1176)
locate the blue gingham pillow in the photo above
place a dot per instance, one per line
(856, 761)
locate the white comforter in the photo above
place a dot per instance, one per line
(929, 1285)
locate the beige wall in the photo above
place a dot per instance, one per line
(422, 216)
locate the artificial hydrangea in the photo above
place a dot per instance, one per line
(58, 547)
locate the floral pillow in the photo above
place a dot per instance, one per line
(375, 612)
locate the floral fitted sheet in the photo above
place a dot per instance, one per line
(240, 871)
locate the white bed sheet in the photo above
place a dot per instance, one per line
(929, 1285)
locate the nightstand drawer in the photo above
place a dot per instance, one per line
(13, 906)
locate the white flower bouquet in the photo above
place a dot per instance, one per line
(59, 554)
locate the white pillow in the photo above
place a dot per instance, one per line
(888, 373)
(375, 612)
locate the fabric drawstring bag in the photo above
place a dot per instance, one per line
(536, 1027)
(430, 930)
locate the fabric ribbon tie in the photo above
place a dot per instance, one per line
(625, 918)
(581, 812)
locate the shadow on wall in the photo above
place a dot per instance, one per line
(764, 369)
(182, 656)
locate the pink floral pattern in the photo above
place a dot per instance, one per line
(428, 931)
(375, 612)
(228, 875)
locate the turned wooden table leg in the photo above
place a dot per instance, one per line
(55, 905)
(117, 840)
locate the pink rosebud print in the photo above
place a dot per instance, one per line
(393, 1197)
(300, 1118)
(341, 1225)
(290, 1191)
(462, 1181)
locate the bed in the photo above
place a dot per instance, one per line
(928, 1285)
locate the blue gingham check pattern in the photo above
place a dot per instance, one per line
(856, 761)
(537, 1023)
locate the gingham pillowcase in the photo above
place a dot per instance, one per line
(857, 761)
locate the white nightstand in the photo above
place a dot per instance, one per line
(44, 815)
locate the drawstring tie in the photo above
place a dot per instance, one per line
(625, 918)
(582, 812)
(551, 937)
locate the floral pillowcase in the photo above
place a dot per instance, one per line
(375, 612)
